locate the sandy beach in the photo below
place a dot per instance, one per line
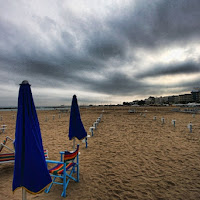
(130, 156)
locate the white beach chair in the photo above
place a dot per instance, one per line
(10, 157)
(7, 157)
(3, 128)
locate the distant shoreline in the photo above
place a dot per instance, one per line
(37, 108)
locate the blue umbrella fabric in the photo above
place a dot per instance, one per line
(76, 128)
(30, 170)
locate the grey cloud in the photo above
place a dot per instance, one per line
(46, 24)
(55, 54)
(106, 49)
(154, 23)
(189, 85)
(113, 83)
(188, 67)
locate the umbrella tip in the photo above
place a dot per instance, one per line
(25, 82)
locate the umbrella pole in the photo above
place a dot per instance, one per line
(23, 194)
(74, 144)
(74, 150)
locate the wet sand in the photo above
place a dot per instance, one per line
(130, 156)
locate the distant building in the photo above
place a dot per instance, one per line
(165, 100)
(150, 100)
(196, 95)
(158, 100)
(161, 100)
(185, 98)
(135, 102)
(175, 99)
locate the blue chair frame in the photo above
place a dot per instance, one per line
(69, 167)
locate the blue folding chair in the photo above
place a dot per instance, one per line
(65, 169)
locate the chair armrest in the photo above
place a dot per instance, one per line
(8, 148)
(53, 161)
(7, 137)
(61, 155)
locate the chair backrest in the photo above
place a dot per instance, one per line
(2, 144)
(70, 156)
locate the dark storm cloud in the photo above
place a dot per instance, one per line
(56, 52)
(31, 58)
(153, 23)
(115, 84)
(107, 49)
(119, 84)
(171, 69)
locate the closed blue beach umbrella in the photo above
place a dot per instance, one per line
(30, 170)
(76, 128)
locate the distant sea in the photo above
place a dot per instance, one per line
(37, 108)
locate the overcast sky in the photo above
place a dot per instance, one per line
(102, 51)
